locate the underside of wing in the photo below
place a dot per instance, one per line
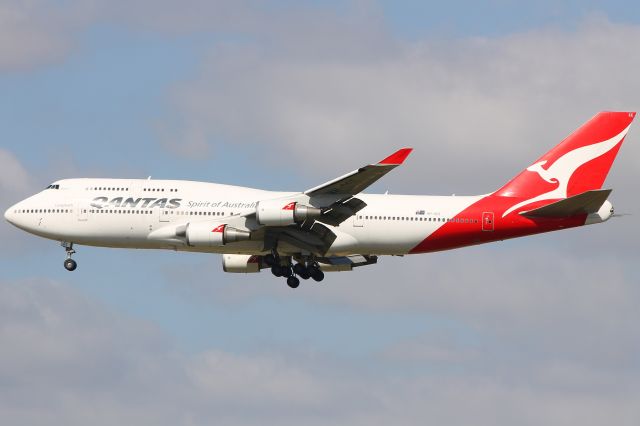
(346, 263)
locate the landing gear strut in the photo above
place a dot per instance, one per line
(69, 263)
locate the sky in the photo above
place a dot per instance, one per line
(286, 95)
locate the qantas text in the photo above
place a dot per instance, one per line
(143, 203)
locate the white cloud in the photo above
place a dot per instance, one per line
(13, 176)
(15, 184)
(552, 324)
(68, 360)
(38, 32)
(548, 296)
(471, 103)
(35, 33)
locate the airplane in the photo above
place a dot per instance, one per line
(333, 226)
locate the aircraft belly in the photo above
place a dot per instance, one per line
(394, 239)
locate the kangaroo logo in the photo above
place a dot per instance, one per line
(563, 168)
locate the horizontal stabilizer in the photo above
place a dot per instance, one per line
(585, 203)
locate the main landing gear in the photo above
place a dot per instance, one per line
(305, 270)
(69, 264)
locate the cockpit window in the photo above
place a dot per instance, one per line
(53, 187)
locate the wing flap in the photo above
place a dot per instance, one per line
(339, 212)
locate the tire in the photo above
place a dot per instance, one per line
(276, 270)
(299, 269)
(293, 282)
(70, 265)
(305, 275)
(317, 275)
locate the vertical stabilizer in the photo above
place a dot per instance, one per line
(579, 163)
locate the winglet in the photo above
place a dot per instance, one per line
(397, 157)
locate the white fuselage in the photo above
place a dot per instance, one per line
(132, 213)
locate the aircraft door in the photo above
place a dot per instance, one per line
(358, 221)
(164, 215)
(82, 211)
(487, 221)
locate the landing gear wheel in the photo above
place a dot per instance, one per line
(305, 275)
(301, 270)
(70, 265)
(276, 270)
(286, 271)
(293, 282)
(270, 259)
(317, 274)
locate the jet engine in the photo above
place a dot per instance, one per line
(241, 263)
(208, 234)
(282, 213)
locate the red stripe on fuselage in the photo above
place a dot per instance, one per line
(455, 234)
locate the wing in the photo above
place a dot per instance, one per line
(358, 180)
(335, 200)
(336, 197)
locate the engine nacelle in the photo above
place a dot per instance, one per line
(208, 234)
(281, 213)
(241, 263)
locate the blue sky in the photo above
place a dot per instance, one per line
(286, 95)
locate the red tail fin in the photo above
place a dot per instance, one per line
(579, 163)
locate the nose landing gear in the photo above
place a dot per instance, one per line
(69, 264)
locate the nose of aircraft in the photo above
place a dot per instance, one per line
(8, 215)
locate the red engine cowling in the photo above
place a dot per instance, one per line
(208, 234)
(283, 213)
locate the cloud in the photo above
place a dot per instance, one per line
(39, 32)
(13, 176)
(15, 184)
(36, 33)
(67, 359)
(541, 333)
(472, 102)
(510, 302)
